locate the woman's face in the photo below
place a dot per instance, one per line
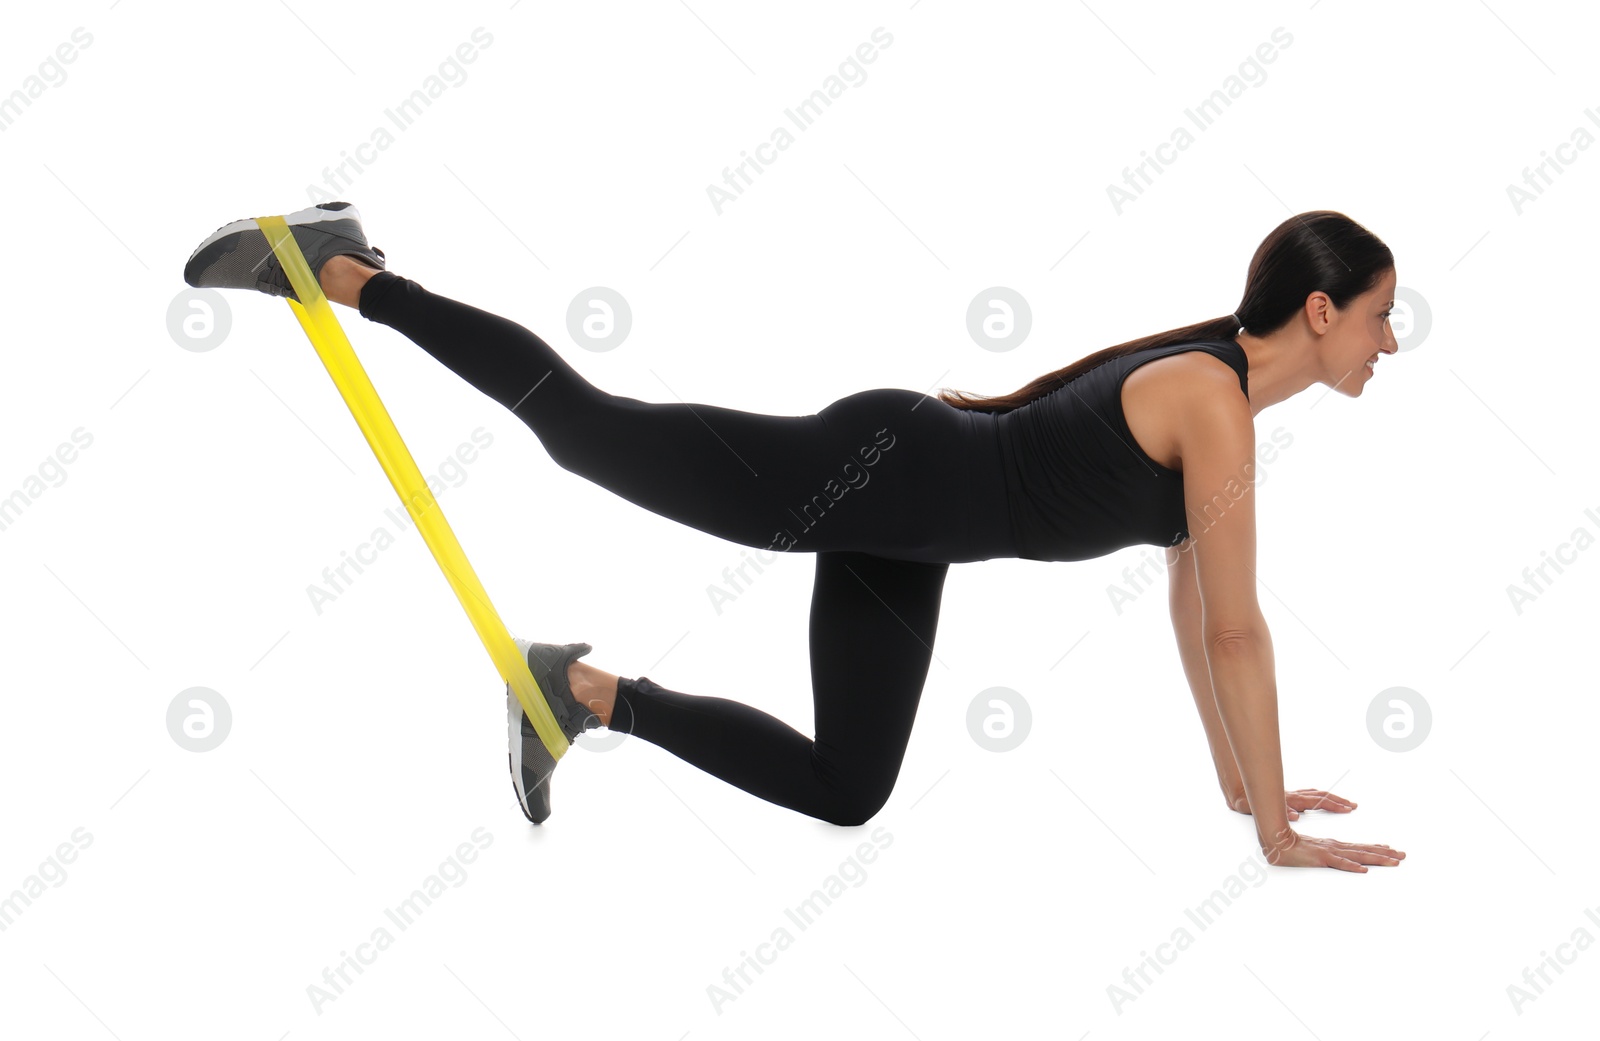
(1360, 337)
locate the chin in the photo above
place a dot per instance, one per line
(1353, 390)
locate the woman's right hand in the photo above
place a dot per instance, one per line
(1308, 851)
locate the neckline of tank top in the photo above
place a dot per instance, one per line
(1244, 378)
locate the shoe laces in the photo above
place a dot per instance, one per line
(272, 274)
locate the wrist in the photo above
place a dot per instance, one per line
(1277, 839)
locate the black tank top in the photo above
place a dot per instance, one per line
(1077, 483)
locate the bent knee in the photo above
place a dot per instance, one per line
(858, 806)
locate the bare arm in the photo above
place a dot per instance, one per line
(1217, 447)
(1183, 595)
(1183, 601)
(1216, 444)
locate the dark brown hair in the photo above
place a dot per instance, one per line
(1318, 249)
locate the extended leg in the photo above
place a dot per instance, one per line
(880, 471)
(873, 622)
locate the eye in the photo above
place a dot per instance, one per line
(1386, 314)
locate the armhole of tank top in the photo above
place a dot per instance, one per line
(1155, 354)
(1169, 350)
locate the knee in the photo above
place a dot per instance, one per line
(577, 446)
(853, 817)
(565, 450)
(858, 805)
(578, 432)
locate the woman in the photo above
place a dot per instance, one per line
(1151, 441)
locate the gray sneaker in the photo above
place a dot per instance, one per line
(531, 762)
(238, 256)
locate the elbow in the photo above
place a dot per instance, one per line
(1235, 638)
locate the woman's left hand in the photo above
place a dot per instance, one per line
(1300, 800)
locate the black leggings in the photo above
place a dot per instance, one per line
(887, 487)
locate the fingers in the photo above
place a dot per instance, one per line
(1368, 856)
(1366, 852)
(1352, 856)
(1316, 799)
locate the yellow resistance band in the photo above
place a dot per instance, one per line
(327, 336)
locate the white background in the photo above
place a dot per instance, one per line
(367, 741)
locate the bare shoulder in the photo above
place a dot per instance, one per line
(1161, 397)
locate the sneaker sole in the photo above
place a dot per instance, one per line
(309, 215)
(531, 763)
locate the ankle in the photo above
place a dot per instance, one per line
(342, 278)
(594, 689)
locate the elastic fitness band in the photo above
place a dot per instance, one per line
(322, 327)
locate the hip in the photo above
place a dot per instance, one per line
(949, 499)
